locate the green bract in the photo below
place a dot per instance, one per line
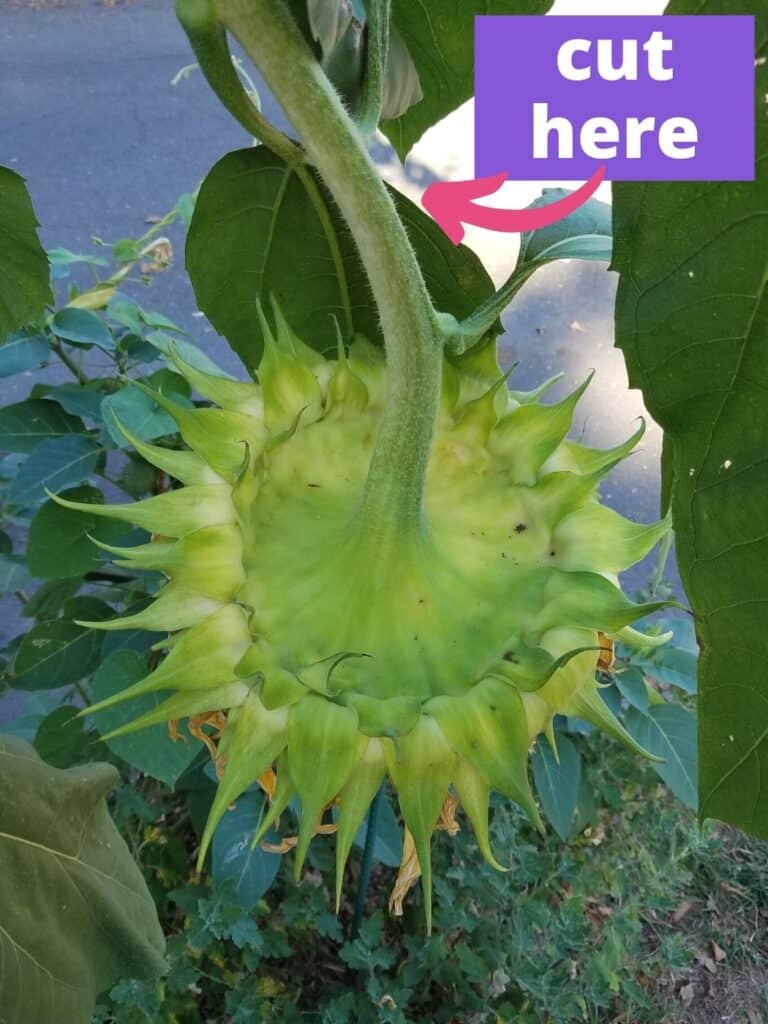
(342, 655)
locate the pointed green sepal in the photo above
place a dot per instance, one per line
(579, 459)
(324, 746)
(186, 467)
(174, 608)
(233, 395)
(208, 562)
(184, 705)
(597, 539)
(216, 435)
(488, 728)
(355, 800)
(289, 387)
(640, 641)
(258, 737)
(173, 514)
(421, 765)
(586, 600)
(528, 435)
(474, 792)
(587, 703)
(529, 397)
(203, 656)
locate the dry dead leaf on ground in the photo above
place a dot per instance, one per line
(684, 909)
(687, 992)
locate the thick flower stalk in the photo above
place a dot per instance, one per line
(436, 658)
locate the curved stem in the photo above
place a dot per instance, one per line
(376, 57)
(209, 43)
(393, 492)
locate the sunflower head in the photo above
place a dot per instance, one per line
(340, 656)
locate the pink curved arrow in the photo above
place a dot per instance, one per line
(450, 204)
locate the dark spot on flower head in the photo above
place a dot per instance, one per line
(520, 528)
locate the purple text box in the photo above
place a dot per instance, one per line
(516, 67)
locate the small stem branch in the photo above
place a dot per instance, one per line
(392, 498)
(376, 57)
(471, 330)
(209, 42)
(69, 362)
(367, 864)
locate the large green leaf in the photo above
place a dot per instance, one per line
(58, 652)
(557, 782)
(692, 320)
(54, 465)
(25, 290)
(24, 425)
(669, 732)
(440, 37)
(151, 751)
(77, 916)
(280, 243)
(246, 873)
(60, 545)
(23, 351)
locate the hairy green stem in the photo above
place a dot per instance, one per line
(392, 499)
(470, 331)
(376, 57)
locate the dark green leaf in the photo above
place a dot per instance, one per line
(54, 465)
(25, 424)
(78, 399)
(25, 290)
(557, 785)
(692, 316)
(670, 665)
(58, 652)
(59, 545)
(669, 731)
(151, 751)
(123, 310)
(440, 38)
(189, 353)
(82, 328)
(62, 739)
(77, 915)
(139, 413)
(23, 352)
(282, 246)
(249, 873)
(49, 599)
(631, 685)
(585, 234)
